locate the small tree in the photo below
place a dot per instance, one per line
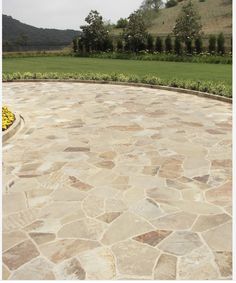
(188, 25)
(94, 33)
(119, 46)
(212, 44)
(168, 44)
(150, 43)
(122, 23)
(159, 44)
(221, 44)
(198, 45)
(75, 45)
(178, 46)
(171, 3)
(135, 35)
(151, 5)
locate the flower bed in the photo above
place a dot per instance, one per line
(7, 118)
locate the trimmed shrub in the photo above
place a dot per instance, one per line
(198, 45)
(150, 43)
(189, 47)
(107, 44)
(75, 45)
(178, 46)
(159, 44)
(168, 44)
(212, 44)
(221, 44)
(119, 45)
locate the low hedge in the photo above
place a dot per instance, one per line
(204, 86)
(168, 57)
(143, 56)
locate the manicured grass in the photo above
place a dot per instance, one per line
(164, 70)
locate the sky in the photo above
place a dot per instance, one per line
(66, 14)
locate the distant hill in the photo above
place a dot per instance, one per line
(20, 36)
(216, 17)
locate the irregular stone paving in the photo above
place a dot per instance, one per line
(116, 182)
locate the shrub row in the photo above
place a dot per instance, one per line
(142, 55)
(216, 45)
(35, 54)
(145, 56)
(203, 86)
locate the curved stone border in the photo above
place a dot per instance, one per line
(7, 134)
(183, 90)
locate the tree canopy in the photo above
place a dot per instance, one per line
(151, 5)
(94, 34)
(135, 34)
(188, 24)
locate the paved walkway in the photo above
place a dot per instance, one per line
(116, 182)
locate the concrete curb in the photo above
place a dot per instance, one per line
(175, 89)
(6, 135)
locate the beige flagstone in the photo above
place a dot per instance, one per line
(105, 182)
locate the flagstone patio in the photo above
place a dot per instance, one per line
(116, 182)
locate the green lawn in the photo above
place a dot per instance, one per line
(164, 70)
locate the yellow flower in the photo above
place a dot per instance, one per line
(7, 118)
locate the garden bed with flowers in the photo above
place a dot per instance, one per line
(8, 118)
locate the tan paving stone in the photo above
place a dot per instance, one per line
(70, 270)
(221, 195)
(5, 273)
(139, 261)
(122, 167)
(99, 264)
(162, 193)
(195, 207)
(76, 183)
(219, 238)
(58, 209)
(165, 268)
(117, 205)
(19, 254)
(180, 243)
(197, 265)
(38, 198)
(66, 248)
(176, 221)
(86, 229)
(42, 238)
(13, 202)
(127, 225)
(153, 238)
(76, 215)
(38, 269)
(205, 222)
(147, 208)
(224, 262)
(43, 226)
(109, 217)
(68, 194)
(12, 238)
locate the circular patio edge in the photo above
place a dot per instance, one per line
(182, 90)
(7, 134)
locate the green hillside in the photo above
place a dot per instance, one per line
(216, 17)
(20, 36)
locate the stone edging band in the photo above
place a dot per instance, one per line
(7, 134)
